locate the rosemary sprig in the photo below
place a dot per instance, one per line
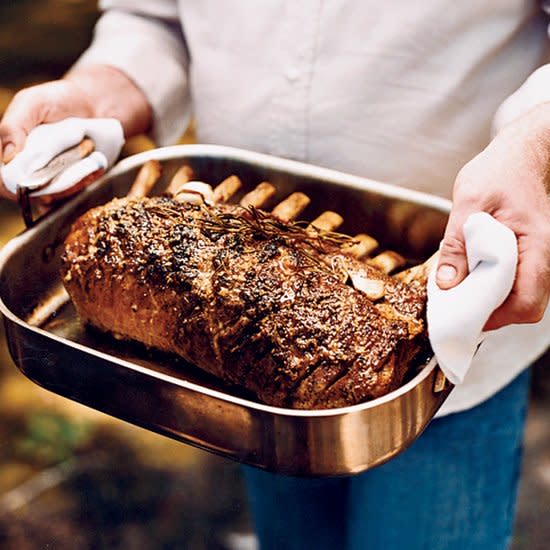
(164, 210)
(253, 223)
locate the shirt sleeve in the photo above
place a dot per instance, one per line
(534, 91)
(144, 40)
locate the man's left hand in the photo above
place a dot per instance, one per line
(509, 180)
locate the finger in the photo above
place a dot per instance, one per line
(23, 113)
(30, 107)
(530, 295)
(452, 267)
(69, 181)
(4, 193)
(50, 199)
(517, 310)
(12, 140)
(44, 146)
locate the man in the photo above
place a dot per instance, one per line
(405, 93)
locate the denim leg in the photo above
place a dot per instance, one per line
(453, 489)
(293, 513)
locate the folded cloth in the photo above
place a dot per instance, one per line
(49, 140)
(456, 316)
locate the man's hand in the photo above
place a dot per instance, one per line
(49, 102)
(509, 180)
(87, 92)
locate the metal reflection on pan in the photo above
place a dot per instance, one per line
(165, 394)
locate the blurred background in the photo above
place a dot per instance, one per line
(71, 477)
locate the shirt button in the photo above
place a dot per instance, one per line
(292, 74)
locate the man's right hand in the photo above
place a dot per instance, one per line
(49, 102)
(86, 92)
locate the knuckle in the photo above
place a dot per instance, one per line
(463, 190)
(465, 182)
(497, 321)
(473, 192)
(467, 171)
(495, 199)
(528, 308)
(488, 199)
(23, 96)
(30, 98)
(467, 201)
(452, 245)
(534, 317)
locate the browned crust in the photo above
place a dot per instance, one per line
(255, 311)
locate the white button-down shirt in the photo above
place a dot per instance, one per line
(403, 92)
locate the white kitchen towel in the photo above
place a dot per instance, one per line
(456, 316)
(48, 140)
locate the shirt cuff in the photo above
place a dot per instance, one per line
(534, 91)
(152, 53)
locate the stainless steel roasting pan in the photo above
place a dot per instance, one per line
(164, 394)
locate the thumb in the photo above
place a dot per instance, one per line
(452, 267)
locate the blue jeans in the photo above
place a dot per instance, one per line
(454, 488)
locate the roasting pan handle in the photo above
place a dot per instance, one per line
(44, 176)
